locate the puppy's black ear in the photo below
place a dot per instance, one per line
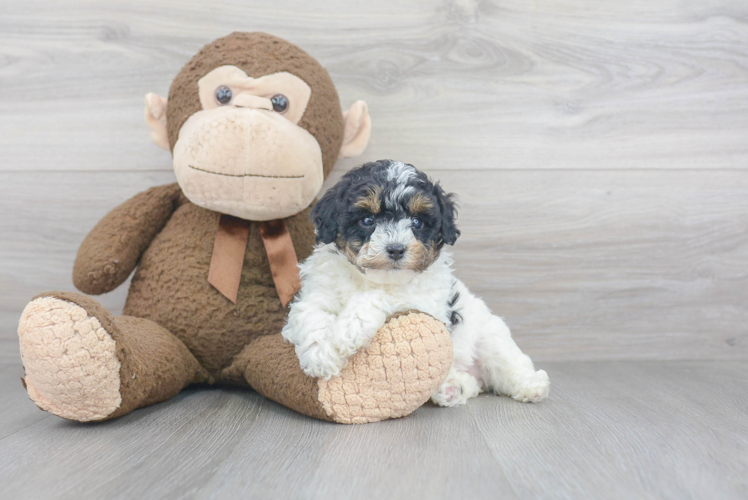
(448, 209)
(325, 216)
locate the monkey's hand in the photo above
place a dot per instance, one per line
(112, 249)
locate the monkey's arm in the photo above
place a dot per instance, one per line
(112, 249)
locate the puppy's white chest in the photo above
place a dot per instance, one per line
(429, 297)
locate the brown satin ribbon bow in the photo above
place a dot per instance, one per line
(228, 257)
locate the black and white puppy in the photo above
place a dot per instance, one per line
(380, 233)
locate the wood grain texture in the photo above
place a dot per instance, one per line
(582, 265)
(609, 430)
(599, 151)
(454, 83)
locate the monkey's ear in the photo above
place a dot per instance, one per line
(325, 217)
(357, 130)
(155, 117)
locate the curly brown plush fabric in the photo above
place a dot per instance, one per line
(111, 250)
(272, 369)
(171, 288)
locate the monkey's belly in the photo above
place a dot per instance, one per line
(171, 288)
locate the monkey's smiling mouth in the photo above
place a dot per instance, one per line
(247, 175)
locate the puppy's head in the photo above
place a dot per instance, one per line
(387, 216)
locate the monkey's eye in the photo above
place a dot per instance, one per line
(280, 103)
(416, 222)
(368, 221)
(224, 95)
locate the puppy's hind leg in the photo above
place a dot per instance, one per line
(507, 370)
(457, 388)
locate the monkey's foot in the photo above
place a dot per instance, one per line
(390, 378)
(70, 360)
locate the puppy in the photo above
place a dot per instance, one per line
(380, 233)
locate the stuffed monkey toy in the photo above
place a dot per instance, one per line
(254, 125)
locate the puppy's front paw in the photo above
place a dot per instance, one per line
(320, 361)
(534, 388)
(456, 389)
(355, 331)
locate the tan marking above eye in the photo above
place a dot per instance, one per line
(419, 204)
(372, 200)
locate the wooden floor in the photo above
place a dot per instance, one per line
(599, 151)
(636, 430)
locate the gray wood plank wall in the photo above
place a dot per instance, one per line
(599, 150)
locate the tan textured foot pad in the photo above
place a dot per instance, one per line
(70, 360)
(396, 374)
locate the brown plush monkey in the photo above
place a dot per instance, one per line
(254, 124)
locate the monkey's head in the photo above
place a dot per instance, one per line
(254, 124)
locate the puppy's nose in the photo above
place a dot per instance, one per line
(395, 251)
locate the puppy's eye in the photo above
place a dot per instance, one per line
(416, 222)
(224, 95)
(368, 221)
(280, 103)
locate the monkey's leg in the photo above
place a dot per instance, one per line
(390, 378)
(83, 364)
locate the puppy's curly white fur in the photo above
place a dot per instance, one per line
(380, 233)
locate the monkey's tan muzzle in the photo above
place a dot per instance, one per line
(223, 163)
